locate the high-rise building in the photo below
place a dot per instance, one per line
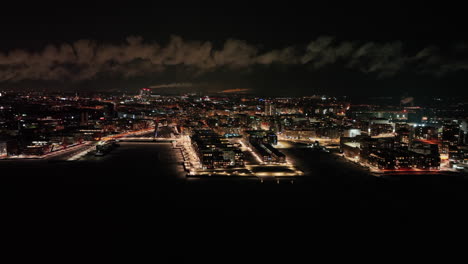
(145, 93)
(451, 134)
(270, 108)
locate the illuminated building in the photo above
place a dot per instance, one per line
(145, 93)
(451, 134)
(262, 141)
(383, 153)
(262, 136)
(424, 148)
(351, 149)
(268, 153)
(402, 137)
(380, 126)
(396, 115)
(425, 132)
(458, 154)
(426, 161)
(351, 132)
(270, 108)
(215, 151)
(450, 137)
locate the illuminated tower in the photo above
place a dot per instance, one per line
(145, 93)
(270, 108)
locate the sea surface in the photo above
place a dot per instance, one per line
(141, 189)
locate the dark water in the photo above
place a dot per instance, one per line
(139, 190)
(153, 171)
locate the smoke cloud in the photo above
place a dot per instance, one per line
(235, 90)
(171, 85)
(87, 60)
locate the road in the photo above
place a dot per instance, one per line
(69, 152)
(62, 154)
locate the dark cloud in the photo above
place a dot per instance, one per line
(87, 60)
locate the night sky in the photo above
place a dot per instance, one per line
(386, 49)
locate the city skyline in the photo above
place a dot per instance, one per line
(228, 131)
(159, 124)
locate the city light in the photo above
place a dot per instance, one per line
(245, 131)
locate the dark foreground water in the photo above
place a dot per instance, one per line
(139, 190)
